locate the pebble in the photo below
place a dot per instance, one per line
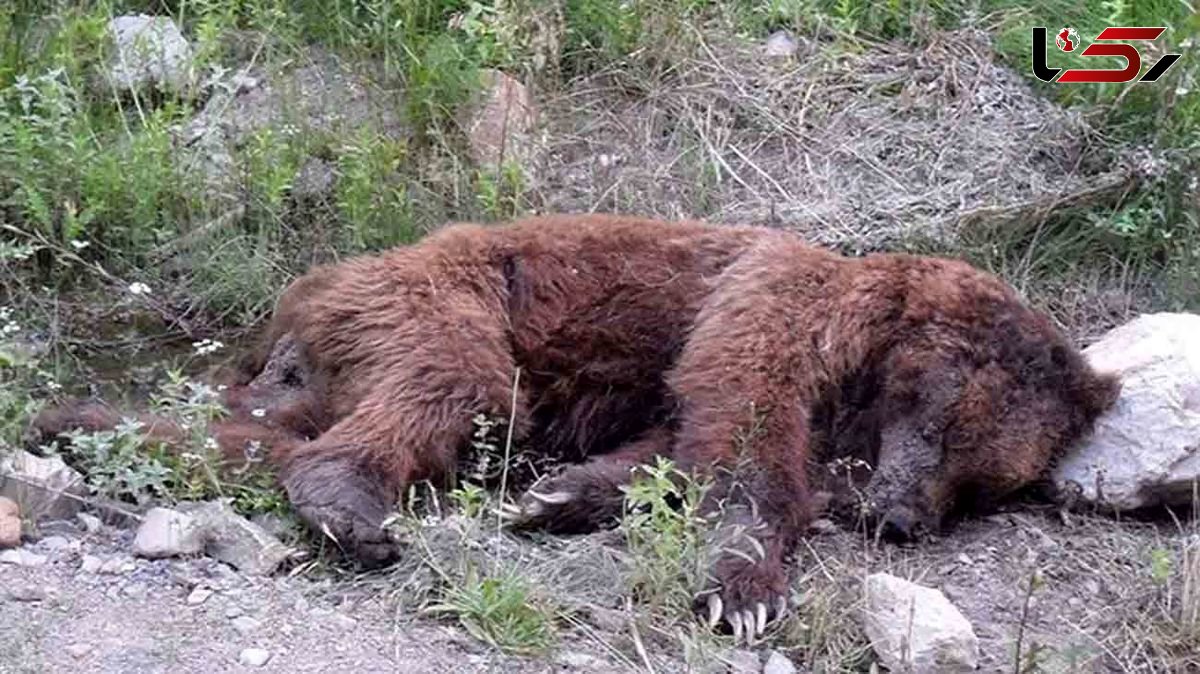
(198, 596)
(254, 657)
(780, 43)
(77, 651)
(343, 621)
(22, 557)
(742, 661)
(778, 663)
(55, 543)
(245, 625)
(91, 564)
(26, 592)
(116, 566)
(577, 661)
(91, 523)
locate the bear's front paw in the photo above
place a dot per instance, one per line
(340, 502)
(577, 500)
(363, 539)
(747, 596)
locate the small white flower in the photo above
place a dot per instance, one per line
(10, 328)
(78, 244)
(211, 444)
(1182, 91)
(139, 288)
(258, 413)
(207, 346)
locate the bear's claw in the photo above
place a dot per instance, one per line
(751, 623)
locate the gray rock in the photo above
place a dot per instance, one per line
(91, 564)
(237, 541)
(781, 44)
(1146, 450)
(91, 523)
(245, 625)
(778, 663)
(26, 592)
(169, 533)
(915, 628)
(149, 52)
(501, 124)
(322, 96)
(78, 651)
(54, 543)
(116, 566)
(43, 487)
(254, 657)
(22, 557)
(198, 596)
(742, 661)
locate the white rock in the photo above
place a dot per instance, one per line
(743, 661)
(1146, 450)
(79, 650)
(42, 486)
(91, 523)
(168, 533)
(777, 663)
(148, 51)
(781, 44)
(198, 596)
(22, 557)
(915, 628)
(254, 657)
(245, 625)
(91, 564)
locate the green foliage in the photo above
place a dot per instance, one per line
(118, 464)
(665, 533)
(500, 610)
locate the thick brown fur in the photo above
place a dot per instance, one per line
(740, 352)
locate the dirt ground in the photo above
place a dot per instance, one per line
(1097, 606)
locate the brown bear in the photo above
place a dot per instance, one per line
(611, 340)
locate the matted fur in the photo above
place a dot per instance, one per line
(718, 346)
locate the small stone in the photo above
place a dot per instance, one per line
(254, 657)
(577, 661)
(742, 661)
(609, 619)
(245, 625)
(915, 628)
(343, 621)
(91, 564)
(823, 526)
(116, 566)
(963, 559)
(10, 523)
(778, 663)
(301, 605)
(232, 612)
(27, 592)
(198, 596)
(781, 44)
(55, 543)
(168, 533)
(78, 651)
(22, 557)
(91, 523)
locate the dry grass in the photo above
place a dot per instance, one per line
(856, 145)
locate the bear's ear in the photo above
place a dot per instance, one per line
(1099, 392)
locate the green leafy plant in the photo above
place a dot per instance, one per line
(500, 610)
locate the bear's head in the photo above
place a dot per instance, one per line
(979, 394)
